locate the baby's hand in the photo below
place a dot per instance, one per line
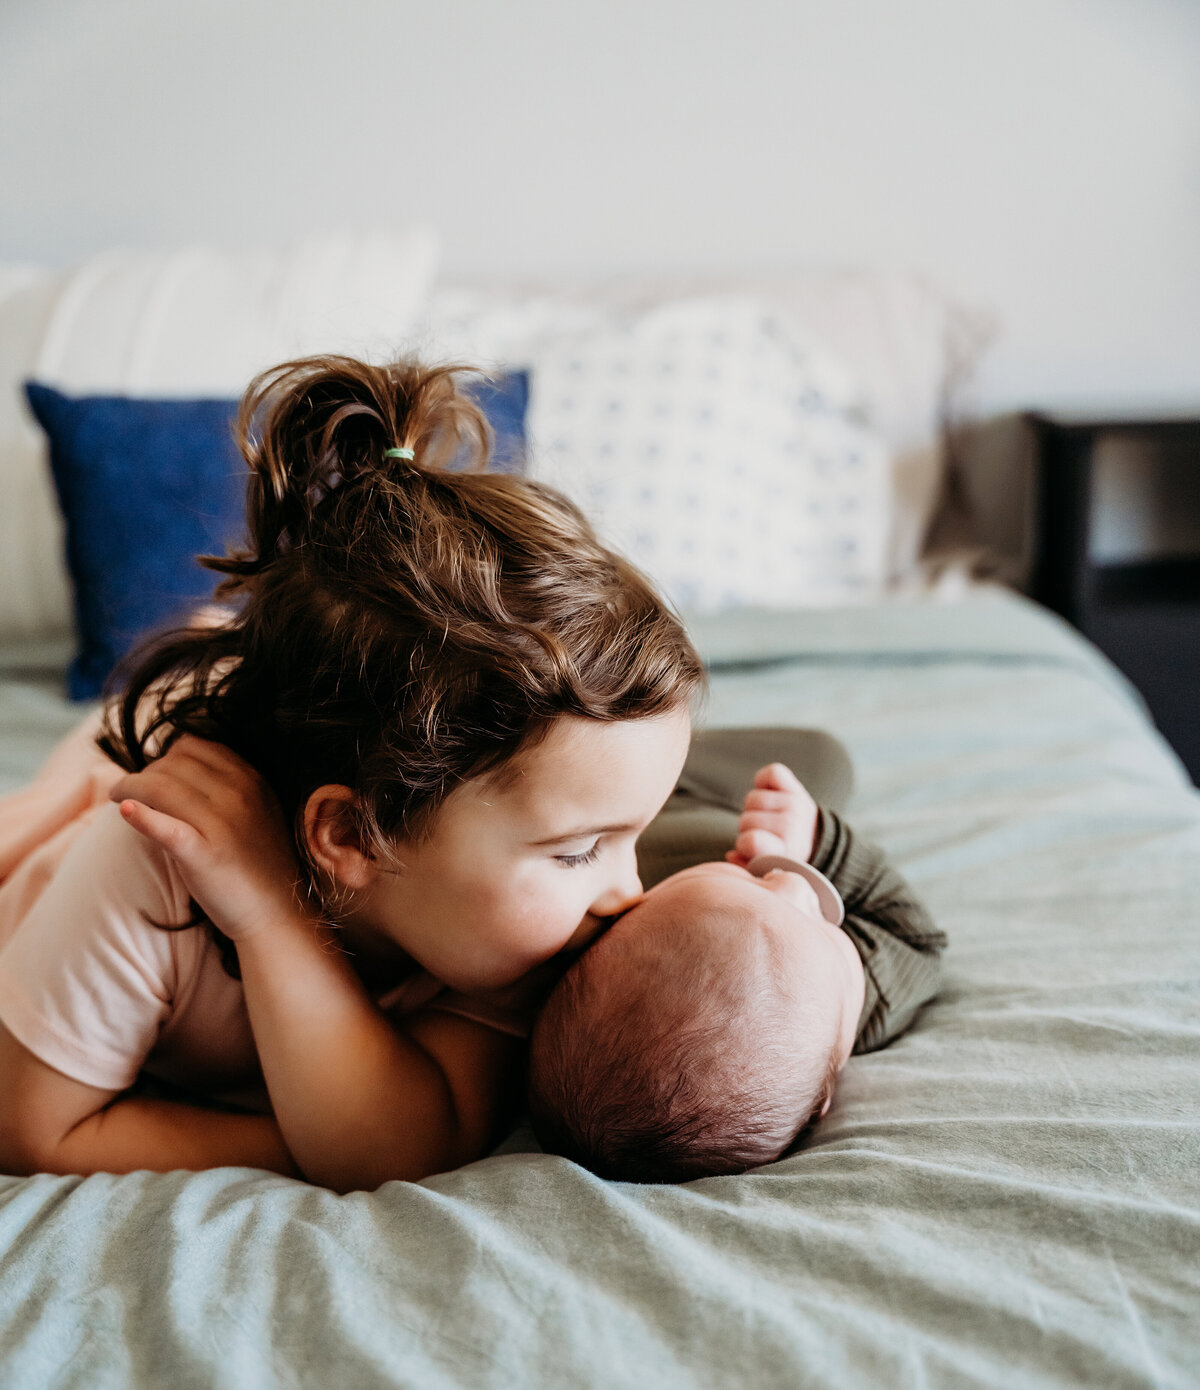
(779, 817)
(221, 824)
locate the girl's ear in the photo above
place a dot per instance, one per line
(333, 843)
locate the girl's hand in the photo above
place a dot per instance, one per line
(221, 824)
(779, 817)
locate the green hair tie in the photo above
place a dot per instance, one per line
(408, 454)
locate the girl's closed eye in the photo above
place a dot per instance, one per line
(573, 861)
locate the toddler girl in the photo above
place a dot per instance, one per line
(399, 774)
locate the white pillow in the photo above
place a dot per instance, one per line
(910, 350)
(505, 328)
(710, 441)
(194, 322)
(15, 276)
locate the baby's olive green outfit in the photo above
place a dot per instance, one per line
(895, 936)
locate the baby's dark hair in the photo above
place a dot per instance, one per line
(660, 1059)
(397, 625)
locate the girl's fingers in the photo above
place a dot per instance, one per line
(777, 777)
(161, 775)
(175, 836)
(206, 773)
(168, 795)
(207, 767)
(195, 768)
(204, 752)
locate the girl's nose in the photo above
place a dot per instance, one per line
(620, 894)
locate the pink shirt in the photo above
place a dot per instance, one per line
(88, 982)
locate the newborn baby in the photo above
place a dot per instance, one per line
(704, 1032)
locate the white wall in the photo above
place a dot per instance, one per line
(1040, 158)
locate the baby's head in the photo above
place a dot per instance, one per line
(701, 1034)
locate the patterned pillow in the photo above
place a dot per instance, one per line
(709, 440)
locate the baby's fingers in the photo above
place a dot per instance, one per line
(751, 843)
(777, 777)
(769, 801)
(775, 821)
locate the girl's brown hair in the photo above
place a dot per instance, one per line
(397, 626)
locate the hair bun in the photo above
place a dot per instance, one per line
(311, 427)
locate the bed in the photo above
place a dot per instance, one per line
(1009, 1195)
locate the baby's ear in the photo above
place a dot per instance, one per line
(331, 833)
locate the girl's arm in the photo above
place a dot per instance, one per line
(357, 1102)
(50, 1123)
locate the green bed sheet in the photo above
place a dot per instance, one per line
(1009, 1196)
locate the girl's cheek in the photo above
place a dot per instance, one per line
(560, 908)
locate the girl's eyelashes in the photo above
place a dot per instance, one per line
(573, 861)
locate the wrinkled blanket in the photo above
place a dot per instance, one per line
(1007, 1196)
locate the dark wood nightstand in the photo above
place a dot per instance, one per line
(1118, 553)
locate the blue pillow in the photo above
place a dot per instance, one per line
(147, 485)
(504, 400)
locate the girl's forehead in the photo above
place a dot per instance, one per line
(590, 771)
(576, 750)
